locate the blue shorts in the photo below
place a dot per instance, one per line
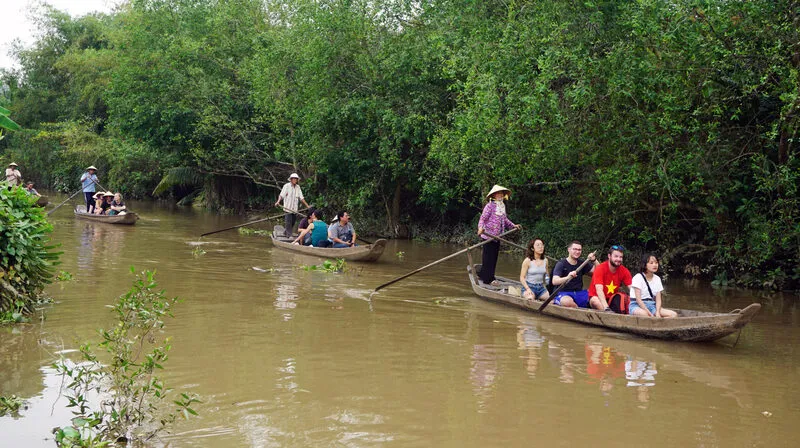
(537, 288)
(650, 304)
(581, 298)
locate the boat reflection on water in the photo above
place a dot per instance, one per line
(618, 362)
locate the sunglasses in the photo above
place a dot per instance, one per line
(618, 247)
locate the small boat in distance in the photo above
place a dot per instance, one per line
(689, 326)
(129, 218)
(369, 252)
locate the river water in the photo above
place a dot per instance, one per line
(282, 356)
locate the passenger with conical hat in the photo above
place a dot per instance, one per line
(494, 221)
(13, 176)
(88, 183)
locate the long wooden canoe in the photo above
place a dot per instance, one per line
(41, 201)
(693, 326)
(128, 218)
(358, 253)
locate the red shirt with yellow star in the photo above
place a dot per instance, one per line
(610, 281)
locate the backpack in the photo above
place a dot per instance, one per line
(620, 303)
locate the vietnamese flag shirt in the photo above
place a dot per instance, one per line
(610, 281)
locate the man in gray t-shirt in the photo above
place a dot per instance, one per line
(341, 232)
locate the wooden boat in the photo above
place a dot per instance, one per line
(693, 326)
(128, 218)
(42, 201)
(359, 253)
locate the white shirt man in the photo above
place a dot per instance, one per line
(13, 176)
(291, 194)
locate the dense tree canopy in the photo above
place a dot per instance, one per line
(670, 126)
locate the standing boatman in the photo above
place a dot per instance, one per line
(88, 182)
(290, 195)
(13, 176)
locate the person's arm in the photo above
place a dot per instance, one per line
(658, 304)
(523, 273)
(352, 243)
(558, 280)
(303, 232)
(598, 288)
(332, 234)
(637, 294)
(280, 196)
(594, 260)
(302, 198)
(487, 212)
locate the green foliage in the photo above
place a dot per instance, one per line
(57, 154)
(198, 252)
(340, 265)
(132, 394)
(11, 405)
(64, 276)
(609, 120)
(27, 259)
(6, 122)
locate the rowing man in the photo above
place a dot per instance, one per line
(290, 195)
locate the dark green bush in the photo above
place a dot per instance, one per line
(27, 259)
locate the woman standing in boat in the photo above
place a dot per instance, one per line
(493, 222)
(647, 288)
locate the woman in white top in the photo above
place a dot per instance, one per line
(533, 274)
(647, 288)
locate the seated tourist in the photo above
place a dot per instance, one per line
(304, 224)
(317, 229)
(341, 233)
(117, 205)
(572, 295)
(533, 275)
(646, 289)
(610, 278)
(105, 206)
(32, 191)
(98, 202)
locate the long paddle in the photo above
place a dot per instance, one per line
(518, 246)
(439, 261)
(553, 294)
(507, 241)
(73, 195)
(242, 225)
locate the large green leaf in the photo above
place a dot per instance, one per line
(9, 124)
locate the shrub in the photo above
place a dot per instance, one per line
(26, 261)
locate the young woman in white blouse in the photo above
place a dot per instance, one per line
(646, 288)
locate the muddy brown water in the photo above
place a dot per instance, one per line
(282, 356)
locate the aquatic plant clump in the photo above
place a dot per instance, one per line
(27, 260)
(132, 404)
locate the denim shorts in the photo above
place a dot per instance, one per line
(537, 288)
(581, 298)
(650, 304)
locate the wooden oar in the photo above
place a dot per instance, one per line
(554, 293)
(507, 241)
(439, 261)
(241, 225)
(73, 195)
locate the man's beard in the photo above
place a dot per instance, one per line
(616, 264)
